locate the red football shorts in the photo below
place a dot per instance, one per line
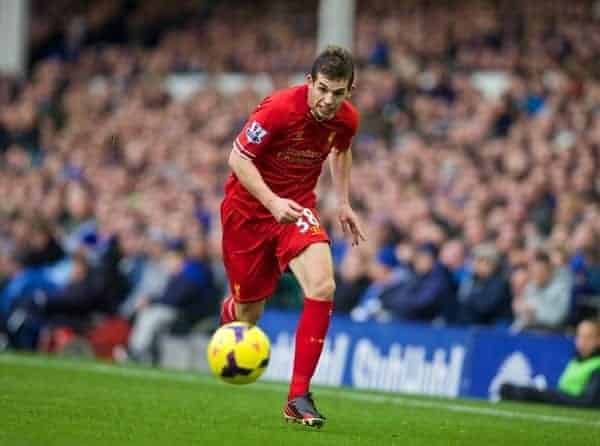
(257, 251)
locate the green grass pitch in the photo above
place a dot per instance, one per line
(52, 401)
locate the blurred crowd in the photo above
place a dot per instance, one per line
(474, 167)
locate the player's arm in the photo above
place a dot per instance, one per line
(340, 164)
(284, 210)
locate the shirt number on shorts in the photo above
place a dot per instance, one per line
(306, 220)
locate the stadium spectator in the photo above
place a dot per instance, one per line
(397, 267)
(81, 296)
(453, 256)
(43, 248)
(152, 275)
(484, 297)
(95, 287)
(190, 294)
(585, 263)
(40, 303)
(579, 384)
(428, 295)
(352, 280)
(545, 301)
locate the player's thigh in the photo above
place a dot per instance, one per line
(313, 267)
(249, 259)
(304, 247)
(253, 276)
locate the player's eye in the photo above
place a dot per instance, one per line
(323, 89)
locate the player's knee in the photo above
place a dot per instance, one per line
(323, 288)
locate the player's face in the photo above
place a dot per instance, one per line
(325, 96)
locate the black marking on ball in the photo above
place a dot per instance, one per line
(232, 369)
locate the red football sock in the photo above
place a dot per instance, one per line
(310, 335)
(228, 311)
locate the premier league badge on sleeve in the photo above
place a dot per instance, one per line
(255, 133)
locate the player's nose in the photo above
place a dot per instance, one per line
(328, 99)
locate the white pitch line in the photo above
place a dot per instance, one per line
(166, 375)
(451, 407)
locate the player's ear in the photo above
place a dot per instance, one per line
(350, 91)
(352, 88)
(309, 79)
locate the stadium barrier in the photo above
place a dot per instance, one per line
(401, 357)
(421, 359)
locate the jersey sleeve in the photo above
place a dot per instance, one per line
(258, 132)
(343, 140)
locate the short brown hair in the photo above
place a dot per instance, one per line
(335, 63)
(595, 323)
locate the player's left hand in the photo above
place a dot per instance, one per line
(350, 224)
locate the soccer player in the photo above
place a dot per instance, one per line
(268, 214)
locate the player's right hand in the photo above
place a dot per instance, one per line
(284, 210)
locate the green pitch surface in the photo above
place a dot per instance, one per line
(50, 401)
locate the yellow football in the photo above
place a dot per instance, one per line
(238, 353)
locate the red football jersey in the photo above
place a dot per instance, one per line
(288, 146)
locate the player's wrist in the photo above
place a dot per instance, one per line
(269, 201)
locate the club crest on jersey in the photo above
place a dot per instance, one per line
(255, 133)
